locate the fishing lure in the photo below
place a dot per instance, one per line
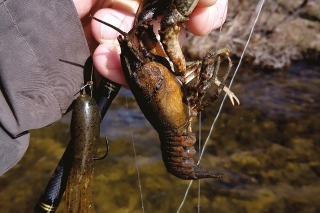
(85, 133)
(51, 196)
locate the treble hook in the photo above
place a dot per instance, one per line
(105, 155)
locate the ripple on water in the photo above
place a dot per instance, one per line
(292, 92)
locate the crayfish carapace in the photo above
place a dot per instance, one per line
(159, 79)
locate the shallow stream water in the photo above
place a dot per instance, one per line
(268, 147)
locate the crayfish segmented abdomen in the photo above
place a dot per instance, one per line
(177, 153)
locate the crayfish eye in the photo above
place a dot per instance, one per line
(136, 65)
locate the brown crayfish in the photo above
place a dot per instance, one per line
(160, 80)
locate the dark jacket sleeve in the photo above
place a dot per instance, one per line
(37, 85)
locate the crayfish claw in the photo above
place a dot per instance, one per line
(231, 95)
(235, 97)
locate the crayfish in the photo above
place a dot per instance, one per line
(170, 91)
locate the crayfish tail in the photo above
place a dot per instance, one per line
(201, 173)
(196, 174)
(177, 153)
(186, 171)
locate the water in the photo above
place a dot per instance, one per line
(268, 148)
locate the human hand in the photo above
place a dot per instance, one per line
(208, 15)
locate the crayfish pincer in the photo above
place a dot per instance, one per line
(167, 100)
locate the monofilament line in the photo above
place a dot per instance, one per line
(199, 181)
(234, 75)
(134, 151)
(224, 98)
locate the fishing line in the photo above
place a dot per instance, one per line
(234, 75)
(91, 79)
(134, 151)
(199, 135)
(224, 98)
(199, 182)
(200, 123)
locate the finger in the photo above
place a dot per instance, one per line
(83, 6)
(107, 61)
(206, 3)
(204, 19)
(106, 56)
(125, 5)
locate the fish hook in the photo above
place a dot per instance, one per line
(107, 152)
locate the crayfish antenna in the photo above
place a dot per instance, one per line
(110, 25)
